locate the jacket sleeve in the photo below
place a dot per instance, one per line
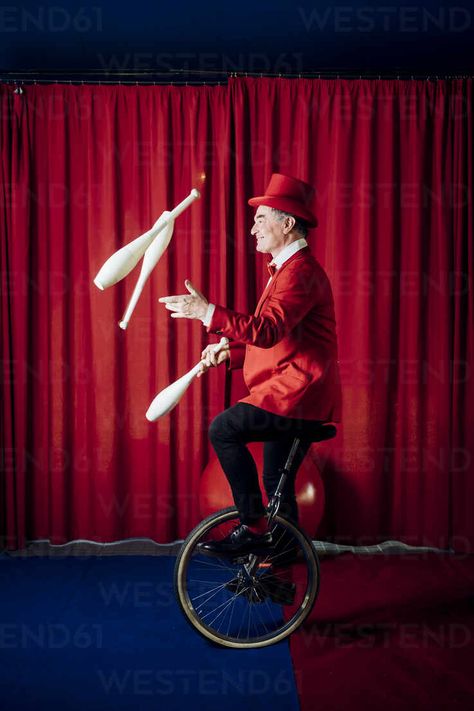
(296, 291)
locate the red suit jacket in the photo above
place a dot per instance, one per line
(288, 348)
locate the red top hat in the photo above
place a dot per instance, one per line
(289, 195)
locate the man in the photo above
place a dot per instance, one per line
(288, 350)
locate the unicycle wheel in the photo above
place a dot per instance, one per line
(251, 601)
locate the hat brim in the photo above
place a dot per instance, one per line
(286, 205)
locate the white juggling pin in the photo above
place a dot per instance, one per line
(125, 259)
(168, 398)
(155, 250)
(150, 260)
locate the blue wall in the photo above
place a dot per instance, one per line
(261, 36)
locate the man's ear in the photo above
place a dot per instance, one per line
(290, 222)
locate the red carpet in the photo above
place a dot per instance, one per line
(389, 632)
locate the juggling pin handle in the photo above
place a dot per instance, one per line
(193, 195)
(218, 347)
(168, 398)
(168, 217)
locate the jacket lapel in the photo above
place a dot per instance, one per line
(300, 254)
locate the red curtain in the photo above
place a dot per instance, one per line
(87, 168)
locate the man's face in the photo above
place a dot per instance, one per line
(268, 231)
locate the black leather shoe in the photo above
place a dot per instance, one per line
(240, 541)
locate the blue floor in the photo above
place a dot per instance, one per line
(107, 633)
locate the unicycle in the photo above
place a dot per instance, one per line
(254, 600)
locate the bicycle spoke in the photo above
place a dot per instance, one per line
(231, 615)
(220, 566)
(234, 598)
(270, 609)
(224, 604)
(240, 627)
(208, 592)
(257, 612)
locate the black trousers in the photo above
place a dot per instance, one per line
(232, 429)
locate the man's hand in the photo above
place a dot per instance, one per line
(192, 305)
(210, 359)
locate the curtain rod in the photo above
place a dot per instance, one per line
(196, 76)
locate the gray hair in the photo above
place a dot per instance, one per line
(300, 226)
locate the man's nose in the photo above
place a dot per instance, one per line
(253, 230)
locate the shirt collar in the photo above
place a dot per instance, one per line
(288, 252)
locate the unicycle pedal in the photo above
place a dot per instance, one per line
(281, 592)
(253, 592)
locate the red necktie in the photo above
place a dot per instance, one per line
(271, 268)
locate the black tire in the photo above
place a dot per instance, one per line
(266, 593)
